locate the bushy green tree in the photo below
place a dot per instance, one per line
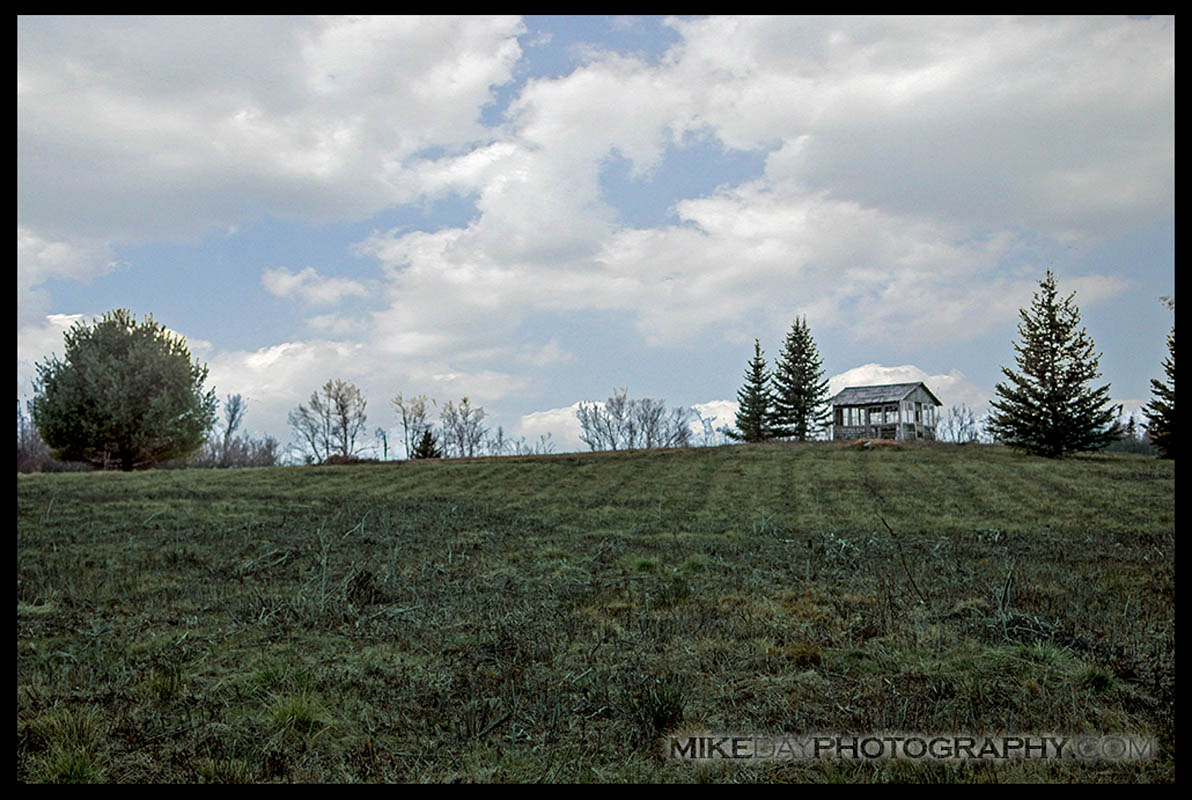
(1160, 411)
(1047, 408)
(800, 389)
(125, 393)
(755, 402)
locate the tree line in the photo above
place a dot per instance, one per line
(331, 424)
(1047, 406)
(127, 395)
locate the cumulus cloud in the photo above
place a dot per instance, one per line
(545, 355)
(40, 259)
(135, 128)
(561, 424)
(713, 416)
(989, 121)
(891, 187)
(309, 286)
(279, 377)
(952, 388)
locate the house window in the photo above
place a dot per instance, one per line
(918, 413)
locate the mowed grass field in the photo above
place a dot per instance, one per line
(553, 618)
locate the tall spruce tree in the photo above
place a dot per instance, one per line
(755, 402)
(1160, 412)
(800, 389)
(1047, 408)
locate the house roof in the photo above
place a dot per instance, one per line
(886, 393)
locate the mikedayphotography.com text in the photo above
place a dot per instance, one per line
(914, 747)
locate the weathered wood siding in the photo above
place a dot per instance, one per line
(915, 416)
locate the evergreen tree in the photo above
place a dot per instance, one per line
(755, 402)
(800, 389)
(1160, 412)
(127, 393)
(427, 447)
(1047, 407)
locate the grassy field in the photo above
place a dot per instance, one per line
(552, 618)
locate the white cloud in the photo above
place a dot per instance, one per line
(338, 325)
(561, 424)
(1058, 123)
(276, 379)
(310, 287)
(545, 355)
(952, 389)
(867, 90)
(40, 259)
(721, 412)
(130, 128)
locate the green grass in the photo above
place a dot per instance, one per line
(548, 618)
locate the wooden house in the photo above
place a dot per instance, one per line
(892, 411)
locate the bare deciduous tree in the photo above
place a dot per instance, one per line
(606, 427)
(463, 428)
(230, 450)
(624, 424)
(655, 427)
(959, 425)
(502, 445)
(414, 422)
(332, 422)
(347, 415)
(233, 416)
(711, 436)
(313, 426)
(32, 452)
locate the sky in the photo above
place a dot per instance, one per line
(534, 211)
